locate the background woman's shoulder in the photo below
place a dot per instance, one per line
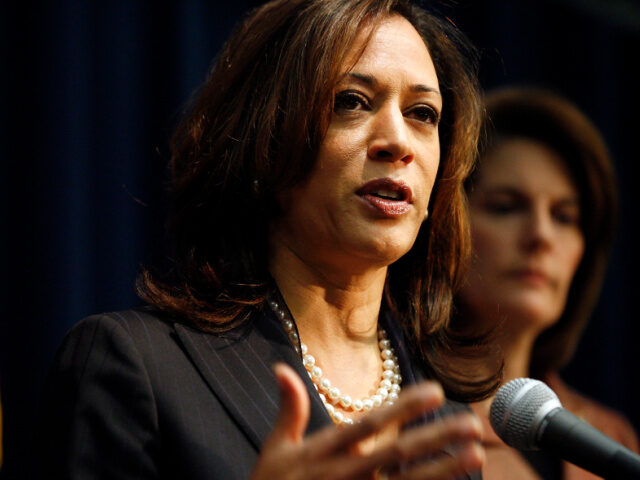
(605, 419)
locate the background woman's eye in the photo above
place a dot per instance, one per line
(570, 216)
(500, 208)
(425, 114)
(349, 101)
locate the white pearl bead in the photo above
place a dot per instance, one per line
(345, 401)
(395, 388)
(384, 344)
(386, 354)
(323, 398)
(377, 400)
(288, 325)
(397, 378)
(382, 392)
(385, 384)
(393, 396)
(308, 361)
(325, 384)
(348, 421)
(316, 372)
(334, 393)
(297, 349)
(388, 375)
(396, 368)
(367, 404)
(294, 337)
(329, 408)
(273, 304)
(338, 416)
(388, 365)
(357, 405)
(304, 348)
(388, 403)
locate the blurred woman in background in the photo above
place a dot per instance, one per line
(543, 204)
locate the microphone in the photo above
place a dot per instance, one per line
(526, 414)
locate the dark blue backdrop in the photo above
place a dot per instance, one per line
(90, 92)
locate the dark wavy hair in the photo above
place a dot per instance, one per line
(525, 112)
(253, 130)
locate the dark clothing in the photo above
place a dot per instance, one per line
(135, 395)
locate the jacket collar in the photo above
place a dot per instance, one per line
(237, 366)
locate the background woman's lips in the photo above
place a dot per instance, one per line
(532, 276)
(390, 198)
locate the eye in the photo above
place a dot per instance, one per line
(567, 215)
(425, 114)
(349, 100)
(503, 204)
(501, 207)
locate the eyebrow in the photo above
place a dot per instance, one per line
(371, 81)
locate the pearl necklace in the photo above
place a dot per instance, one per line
(387, 391)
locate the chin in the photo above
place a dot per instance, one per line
(382, 249)
(532, 311)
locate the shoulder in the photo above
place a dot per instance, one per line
(134, 328)
(605, 419)
(134, 322)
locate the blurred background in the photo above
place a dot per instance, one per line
(90, 92)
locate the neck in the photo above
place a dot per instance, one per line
(337, 317)
(516, 345)
(332, 309)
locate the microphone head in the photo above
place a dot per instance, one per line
(519, 409)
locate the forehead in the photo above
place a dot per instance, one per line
(528, 165)
(394, 46)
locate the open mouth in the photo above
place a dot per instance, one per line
(389, 198)
(387, 194)
(387, 189)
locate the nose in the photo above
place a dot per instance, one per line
(538, 230)
(389, 140)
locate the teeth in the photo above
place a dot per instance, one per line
(392, 194)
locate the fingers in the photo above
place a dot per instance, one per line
(459, 434)
(412, 403)
(468, 459)
(456, 430)
(294, 406)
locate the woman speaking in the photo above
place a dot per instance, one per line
(318, 230)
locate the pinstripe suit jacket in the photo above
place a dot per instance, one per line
(134, 395)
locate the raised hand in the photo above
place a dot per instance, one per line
(331, 453)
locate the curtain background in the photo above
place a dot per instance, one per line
(89, 94)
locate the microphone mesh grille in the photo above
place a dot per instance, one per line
(516, 411)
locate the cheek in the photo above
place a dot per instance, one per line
(488, 243)
(571, 254)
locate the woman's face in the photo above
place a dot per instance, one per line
(525, 216)
(368, 192)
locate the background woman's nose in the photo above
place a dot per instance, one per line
(538, 230)
(390, 138)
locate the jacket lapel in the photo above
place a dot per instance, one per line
(237, 366)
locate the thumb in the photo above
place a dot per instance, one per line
(294, 406)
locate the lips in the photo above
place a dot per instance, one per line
(533, 276)
(390, 198)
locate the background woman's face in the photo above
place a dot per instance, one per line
(525, 216)
(366, 197)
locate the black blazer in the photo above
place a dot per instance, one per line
(135, 395)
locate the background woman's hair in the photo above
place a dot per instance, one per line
(254, 129)
(545, 117)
